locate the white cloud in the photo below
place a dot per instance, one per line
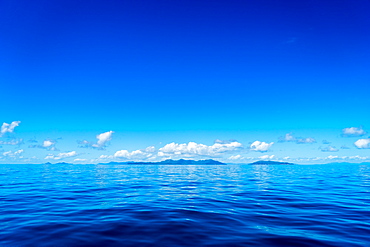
(13, 154)
(137, 154)
(127, 154)
(287, 138)
(266, 157)
(329, 149)
(356, 157)
(103, 139)
(346, 158)
(48, 143)
(80, 160)
(150, 149)
(193, 149)
(143, 154)
(103, 156)
(175, 150)
(235, 157)
(12, 142)
(306, 140)
(353, 132)
(8, 128)
(61, 155)
(331, 157)
(299, 140)
(260, 146)
(362, 143)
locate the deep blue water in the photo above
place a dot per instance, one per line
(174, 205)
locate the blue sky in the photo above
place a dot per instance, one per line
(162, 72)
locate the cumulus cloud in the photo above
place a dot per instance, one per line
(260, 146)
(80, 160)
(48, 144)
(136, 155)
(103, 139)
(362, 143)
(236, 157)
(306, 140)
(13, 154)
(344, 147)
(331, 157)
(299, 140)
(176, 150)
(9, 128)
(142, 154)
(150, 149)
(329, 149)
(61, 155)
(266, 157)
(353, 132)
(193, 149)
(287, 138)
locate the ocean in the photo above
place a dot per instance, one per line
(184, 205)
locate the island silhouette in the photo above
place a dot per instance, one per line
(184, 162)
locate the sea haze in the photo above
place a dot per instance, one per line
(185, 205)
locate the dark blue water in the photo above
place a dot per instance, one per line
(153, 205)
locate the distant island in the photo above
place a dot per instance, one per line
(171, 162)
(194, 162)
(182, 162)
(269, 162)
(201, 162)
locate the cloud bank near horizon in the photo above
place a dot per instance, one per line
(223, 150)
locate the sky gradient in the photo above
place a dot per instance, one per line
(206, 72)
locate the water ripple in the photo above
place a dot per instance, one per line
(150, 205)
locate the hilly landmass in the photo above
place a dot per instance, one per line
(204, 162)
